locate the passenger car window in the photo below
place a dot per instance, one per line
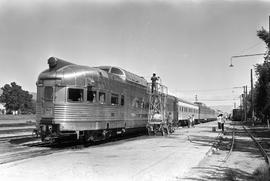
(114, 99)
(48, 93)
(105, 69)
(122, 100)
(91, 94)
(75, 95)
(102, 97)
(116, 71)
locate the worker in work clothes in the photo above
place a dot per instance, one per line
(219, 118)
(222, 123)
(189, 121)
(192, 120)
(154, 80)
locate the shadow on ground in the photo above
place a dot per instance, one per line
(219, 173)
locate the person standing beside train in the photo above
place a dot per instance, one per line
(189, 121)
(219, 120)
(222, 123)
(192, 120)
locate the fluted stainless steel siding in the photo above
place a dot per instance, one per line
(38, 111)
(84, 116)
(86, 112)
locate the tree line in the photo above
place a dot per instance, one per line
(17, 99)
(261, 93)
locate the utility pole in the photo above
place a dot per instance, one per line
(252, 100)
(245, 102)
(243, 105)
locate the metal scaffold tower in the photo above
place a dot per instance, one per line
(157, 118)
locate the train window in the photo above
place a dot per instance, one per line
(48, 93)
(91, 94)
(105, 69)
(114, 99)
(102, 97)
(122, 100)
(116, 71)
(75, 95)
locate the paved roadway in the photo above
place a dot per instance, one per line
(140, 158)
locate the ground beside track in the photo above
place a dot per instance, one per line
(16, 125)
(243, 161)
(139, 158)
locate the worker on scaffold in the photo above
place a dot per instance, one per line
(154, 80)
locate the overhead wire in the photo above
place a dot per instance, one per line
(208, 90)
(253, 46)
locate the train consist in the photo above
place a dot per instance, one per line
(95, 103)
(237, 114)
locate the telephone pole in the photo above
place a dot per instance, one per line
(245, 88)
(252, 99)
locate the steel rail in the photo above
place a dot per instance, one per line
(266, 158)
(231, 149)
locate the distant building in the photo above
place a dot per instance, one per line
(2, 108)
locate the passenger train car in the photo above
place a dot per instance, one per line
(185, 111)
(94, 103)
(205, 113)
(237, 114)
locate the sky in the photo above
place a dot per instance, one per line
(187, 43)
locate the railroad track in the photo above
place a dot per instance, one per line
(7, 138)
(232, 145)
(20, 150)
(258, 144)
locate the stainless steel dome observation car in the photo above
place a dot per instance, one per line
(89, 103)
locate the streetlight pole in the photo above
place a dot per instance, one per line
(248, 55)
(245, 103)
(245, 87)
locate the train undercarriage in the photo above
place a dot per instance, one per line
(52, 134)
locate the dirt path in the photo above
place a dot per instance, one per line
(241, 164)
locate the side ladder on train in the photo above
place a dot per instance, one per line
(157, 117)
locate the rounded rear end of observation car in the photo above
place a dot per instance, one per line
(62, 91)
(87, 103)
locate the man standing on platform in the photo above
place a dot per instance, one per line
(154, 82)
